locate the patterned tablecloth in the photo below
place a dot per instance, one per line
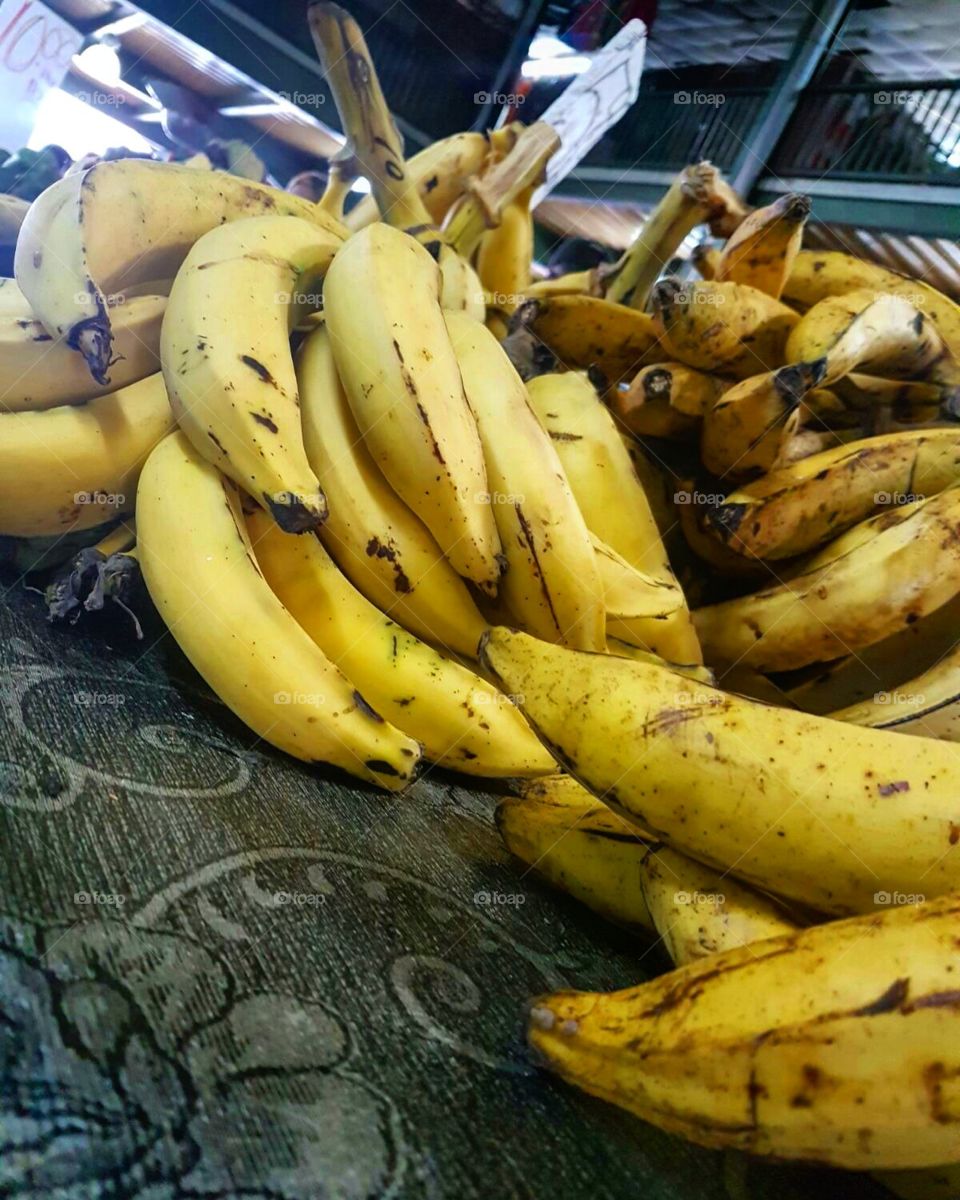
(228, 974)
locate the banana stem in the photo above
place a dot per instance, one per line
(685, 205)
(372, 135)
(342, 174)
(481, 207)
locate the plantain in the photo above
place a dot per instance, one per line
(762, 249)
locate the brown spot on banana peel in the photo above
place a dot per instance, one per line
(529, 539)
(379, 767)
(888, 1001)
(365, 708)
(293, 514)
(256, 366)
(377, 549)
(266, 422)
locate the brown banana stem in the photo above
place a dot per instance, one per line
(343, 172)
(481, 207)
(372, 135)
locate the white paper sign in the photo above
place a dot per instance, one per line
(595, 101)
(36, 46)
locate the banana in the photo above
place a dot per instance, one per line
(504, 258)
(834, 1045)
(823, 813)
(122, 222)
(763, 248)
(202, 575)
(631, 599)
(692, 518)
(38, 371)
(584, 848)
(400, 373)
(584, 331)
(886, 572)
(388, 553)
(748, 427)
(705, 259)
(227, 363)
(906, 400)
(882, 667)
(666, 400)
(927, 706)
(817, 274)
(461, 721)
(876, 331)
(69, 468)
(612, 499)
(552, 583)
(726, 327)
(460, 287)
(440, 173)
(796, 509)
(13, 212)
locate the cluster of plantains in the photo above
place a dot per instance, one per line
(683, 556)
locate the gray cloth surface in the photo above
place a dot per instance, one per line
(227, 974)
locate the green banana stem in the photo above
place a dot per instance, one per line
(372, 136)
(481, 207)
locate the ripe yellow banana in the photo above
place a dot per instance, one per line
(748, 427)
(380, 545)
(793, 510)
(837, 1044)
(398, 368)
(461, 721)
(583, 847)
(440, 172)
(460, 287)
(38, 371)
(614, 502)
(762, 249)
(202, 575)
(552, 582)
(227, 361)
(504, 258)
(584, 331)
(726, 327)
(884, 573)
(820, 812)
(873, 331)
(666, 400)
(632, 600)
(71, 468)
(122, 222)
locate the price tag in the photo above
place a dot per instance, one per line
(595, 101)
(36, 46)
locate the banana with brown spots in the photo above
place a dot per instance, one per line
(762, 249)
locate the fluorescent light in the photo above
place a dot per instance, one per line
(546, 45)
(65, 121)
(101, 62)
(555, 68)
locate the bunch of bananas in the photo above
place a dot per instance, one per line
(396, 500)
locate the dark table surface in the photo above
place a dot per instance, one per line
(229, 974)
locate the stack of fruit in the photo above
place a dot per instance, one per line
(394, 499)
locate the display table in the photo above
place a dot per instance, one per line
(229, 974)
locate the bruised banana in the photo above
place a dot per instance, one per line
(666, 400)
(227, 363)
(381, 546)
(400, 373)
(461, 721)
(613, 500)
(791, 511)
(835, 1045)
(885, 573)
(203, 577)
(726, 327)
(875, 332)
(882, 667)
(39, 371)
(926, 706)
(70, 468)
(551, 583)
(822, 813)
(762, 249)
(748, 427)
(584, 331)
(121, 222)
(583, 847)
